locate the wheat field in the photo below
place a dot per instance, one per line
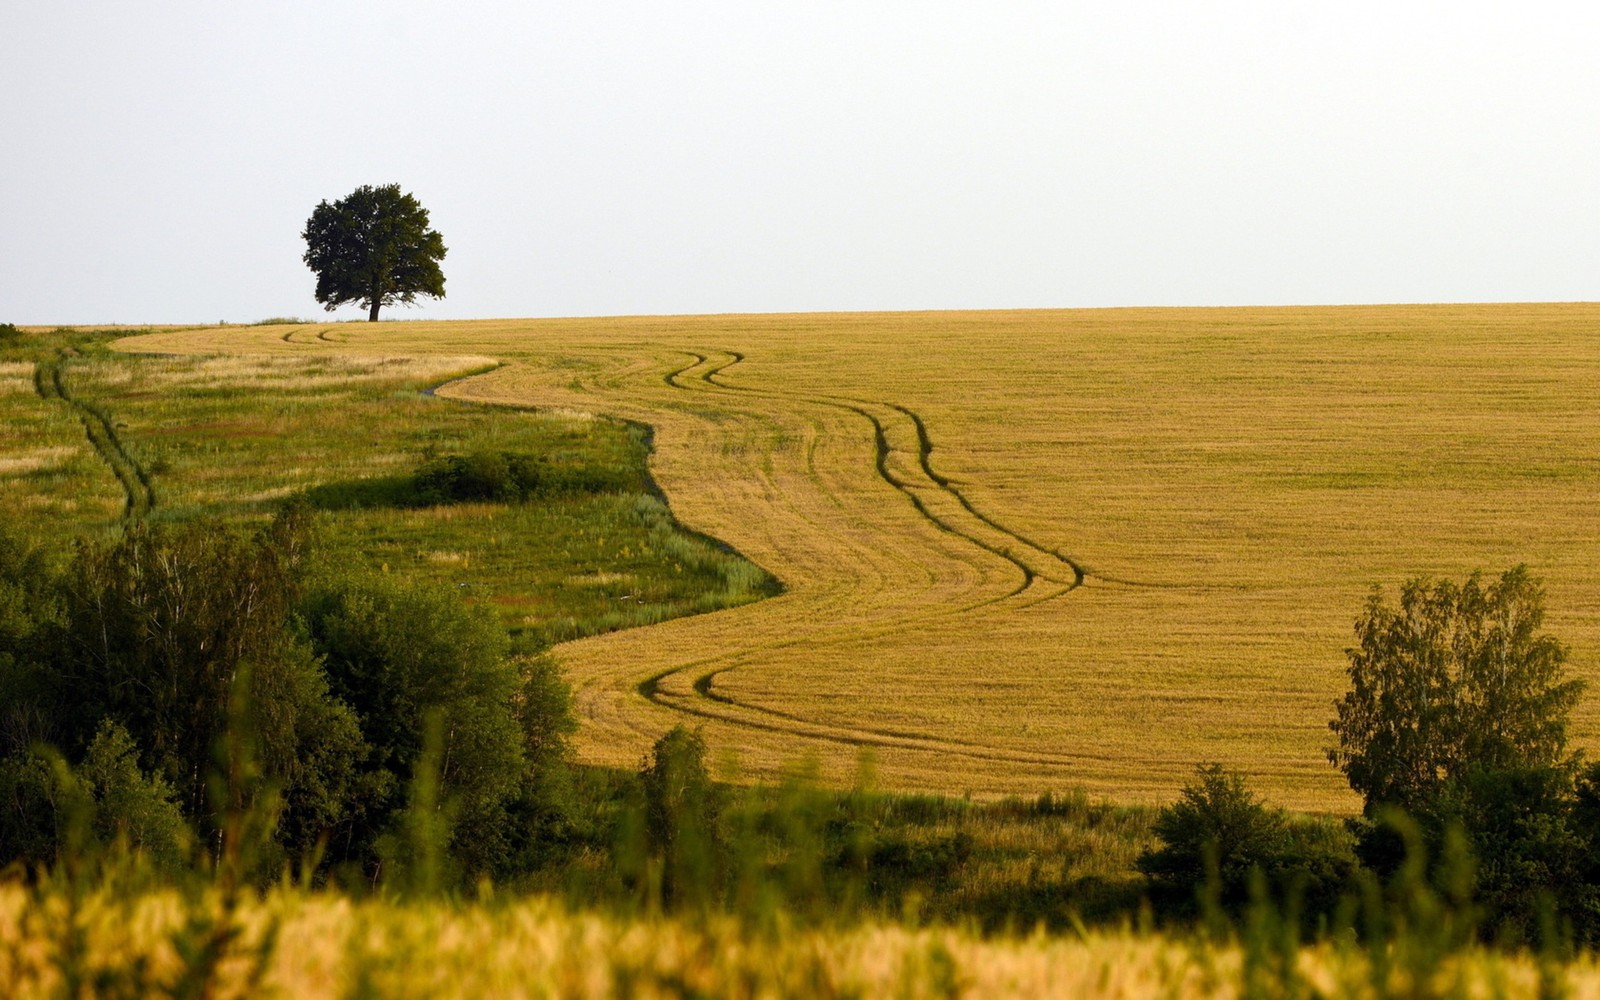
(1035, 550)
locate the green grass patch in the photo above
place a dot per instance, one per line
(555, 569)
(553, 521)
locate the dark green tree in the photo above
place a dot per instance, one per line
(542, 811)
(399, 655)
(30, 621)
(1457, 715)
(1455, 679)
(129, 804)
(159, 632)
(373, 246)
(1216, 822)
(682, 808)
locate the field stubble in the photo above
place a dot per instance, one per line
(1032, 550)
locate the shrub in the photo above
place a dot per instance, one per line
(129, 805)
(1217, 830)
(512, 477)
(397, 654)
(897, 864)
(481, 475)
(681, 812)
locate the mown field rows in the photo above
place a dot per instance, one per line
(1034, 550)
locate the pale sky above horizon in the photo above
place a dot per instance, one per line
(604, 158)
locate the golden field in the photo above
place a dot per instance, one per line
(1036, 550)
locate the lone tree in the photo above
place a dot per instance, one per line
(1456, 679)
(1457, 715)
(373, 246)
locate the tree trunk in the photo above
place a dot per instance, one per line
(372, 316)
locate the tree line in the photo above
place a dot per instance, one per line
(139, 672)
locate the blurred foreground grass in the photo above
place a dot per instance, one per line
(291, 943)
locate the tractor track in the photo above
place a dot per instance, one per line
(1080, 571)
(883, 450)
(790, 723)
(290, 337)
(1077, 573)
(862, 737)
(139, 495)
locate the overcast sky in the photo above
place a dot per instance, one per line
(159, 159)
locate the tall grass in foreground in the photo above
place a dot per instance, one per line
(54, 942)
(101, 922)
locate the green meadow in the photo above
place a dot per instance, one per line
(230, 439)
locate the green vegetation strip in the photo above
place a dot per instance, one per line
(550, 521)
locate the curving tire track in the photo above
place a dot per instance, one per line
(1081, 572)
(883, 450)
(139, 495)
(1038, 567)
(912, 491)
(1045, 563)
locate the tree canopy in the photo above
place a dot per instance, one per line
(185, 672)
(1455, 678)
(1456, 720)
(373, 246)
